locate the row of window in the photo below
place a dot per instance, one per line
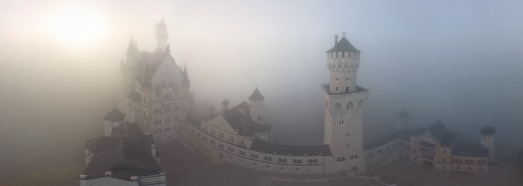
(387, 148)
(343, 54)
(457, 160)
(165, 84)
(168, 109)
(255, 156)
(167, 120)
(159, 131)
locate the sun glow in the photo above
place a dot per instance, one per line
(76, 26)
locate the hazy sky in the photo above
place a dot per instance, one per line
(458, 61)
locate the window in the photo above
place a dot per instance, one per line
(341, 122)
(336, 88)
(355, 168)
(285, 160)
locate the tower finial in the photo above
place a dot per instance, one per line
(343, 34)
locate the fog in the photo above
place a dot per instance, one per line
(458, 62)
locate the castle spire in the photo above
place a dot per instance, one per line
(131, 48)
(161, 35)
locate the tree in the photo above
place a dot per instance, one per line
(487, 131)
(519, 161)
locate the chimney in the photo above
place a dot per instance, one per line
(225, 105)
(335, 39)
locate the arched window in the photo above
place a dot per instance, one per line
(350, 105)
(347, 89)
(360, 105)
(337, 108)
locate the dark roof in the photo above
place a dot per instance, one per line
(470, 151)
(101, 144)
(150, 62)
(131, 157)
(240, 120)
(403, 114)
(396, 135)
(126, 129)
(114, 115)
(343, 45)
(441, 133)
(256, 95)
(135, 96)
(309, 150)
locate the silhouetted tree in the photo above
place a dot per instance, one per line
(519, 161)
(487, 131)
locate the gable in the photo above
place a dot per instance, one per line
(427, 137)
(167, 71)
(221, 123)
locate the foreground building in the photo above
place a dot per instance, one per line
(434, 147)
(124, 157)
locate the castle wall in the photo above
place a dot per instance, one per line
(239, 155)
(385, 154)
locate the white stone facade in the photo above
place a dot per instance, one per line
(155, 89)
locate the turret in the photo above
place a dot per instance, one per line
(488, 141)
(132, 49)
(343, 61)
(256, 106)
(225, 105)
(403, 121)
(161, 35)
(112, 119)
(344, 105)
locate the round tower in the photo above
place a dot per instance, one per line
(343, 62)
(256, 106)
(161, 35)
(344, 106)
(488, 141)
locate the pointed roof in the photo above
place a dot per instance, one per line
(239, 119)
(132, 46)
(343, 45)
(256, 95)
(114, 115)
(441, 133)
(403, 114)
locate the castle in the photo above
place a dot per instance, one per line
(157, 102)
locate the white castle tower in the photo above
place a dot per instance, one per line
(256, 106)
(344, 105)
(161, 36)
(488, 141)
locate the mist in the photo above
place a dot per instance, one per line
(458, 62)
